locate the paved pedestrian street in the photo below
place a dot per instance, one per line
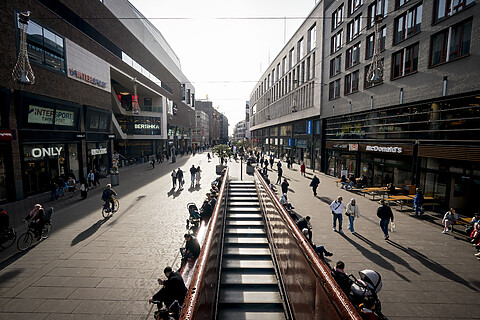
(95, 268)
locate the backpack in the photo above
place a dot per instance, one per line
(106, 194)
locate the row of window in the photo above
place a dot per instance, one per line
(281, 69)
(408, 23)
(452, 43)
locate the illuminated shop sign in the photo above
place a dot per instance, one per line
(6, 135)
(43, 115)
(147, 126)
(98, 151)
(87, 78)
(43, 152)
(384, 149)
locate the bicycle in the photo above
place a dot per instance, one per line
(107, 211)
(7, 238)
(25, 240)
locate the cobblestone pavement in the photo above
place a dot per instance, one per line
(92, 268)
(426, 274)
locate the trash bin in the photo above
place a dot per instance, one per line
(114, 179)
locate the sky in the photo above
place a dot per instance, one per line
(223, 46)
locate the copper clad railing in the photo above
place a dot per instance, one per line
(311, 291)
(201, 297)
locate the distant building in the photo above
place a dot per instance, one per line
(201, 134)
(239, 131)
(247, 120)
(224, 129)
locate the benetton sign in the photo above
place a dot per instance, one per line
(87, 78)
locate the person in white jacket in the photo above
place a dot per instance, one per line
(352, 212)
(337, 209)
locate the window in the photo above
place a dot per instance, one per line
(336, 42)
(278, 71)
(337, 17)
(300, 50)
(290, 58)
(353, 5)
(378, 7)
(405, 61)
(459, 36)
(352, 56)
(334, 89)
(368, 84)
(445, 8)
(408, 24)
(351, 82)
(370, 40)
(45, 47)
(354, 28)
(399, 3)
(335, 65)
(312, 38)
(284, 65)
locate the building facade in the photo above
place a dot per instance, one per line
(88, 74)
(418, 127)
(201, 135)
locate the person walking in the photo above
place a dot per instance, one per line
(193, 172)
(285, 185)
(280, 173)
(418, 202)
(386, 215)
(96, 176)
(180, 178)
(209, 157)
(289, 163)
(91, 179)
(174, 179)
(314, 184)
(279, 164)
(337, 209)
(302, 169)
(198, 175)
(352, 212)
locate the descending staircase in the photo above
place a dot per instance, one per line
(249, 288)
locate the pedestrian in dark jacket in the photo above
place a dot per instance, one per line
(418, 202)
(285, 186)
(180, 178)
(314, 184)
(191, 250)
(386, 215)
(280, 173)
(96, 176)
(173, 289)
(304, 223)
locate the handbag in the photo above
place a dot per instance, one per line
(392, 226)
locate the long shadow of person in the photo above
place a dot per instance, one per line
(387, 253)
(171, 192)
(433, 266)
(84, 235)
(374, 257)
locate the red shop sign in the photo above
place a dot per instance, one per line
(6, 135)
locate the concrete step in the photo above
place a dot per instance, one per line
(247, 264)
(235, 313)
(260, 232)
(253, 252)
(245, 223)
(239, 215)
(243, 209)
(237, 182)
(239, 295)
(242, 194)
(246, 198)
(237, 279)
(243, 204)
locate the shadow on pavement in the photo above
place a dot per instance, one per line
(374, 257)
(11, 274)
(84, 235)
(433, 266)
(387, 253)
(325, 200)
(5, 263)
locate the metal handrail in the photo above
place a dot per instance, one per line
(343, 306)
(190, 305)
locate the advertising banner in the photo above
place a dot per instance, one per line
(43, 115)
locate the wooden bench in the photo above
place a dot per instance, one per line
(462, 221)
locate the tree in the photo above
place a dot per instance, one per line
(222, 151)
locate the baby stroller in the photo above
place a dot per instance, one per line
(193, 221)
(367, 287)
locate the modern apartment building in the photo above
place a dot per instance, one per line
(239, 131)
(420, 124)
(106, 82)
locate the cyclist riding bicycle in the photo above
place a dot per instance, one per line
(38, 220)
(107, 195)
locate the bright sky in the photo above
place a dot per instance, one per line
(224, 58)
